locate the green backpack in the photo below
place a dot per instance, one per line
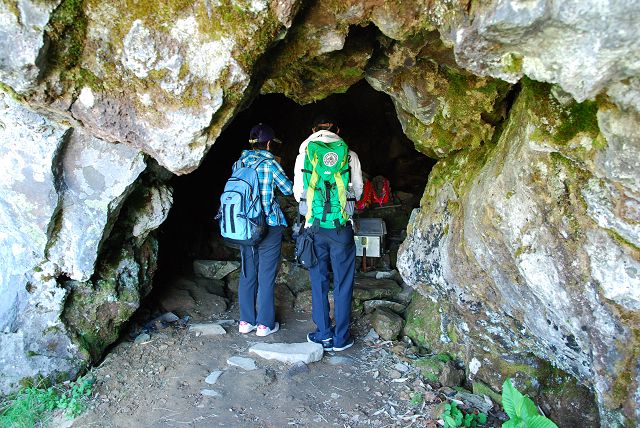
(326, 180)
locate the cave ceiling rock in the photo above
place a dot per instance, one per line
(570, 43)
(97, 177)
(441, 109)
(542, 250)
(172, 75)
(320, 56)
(162, 77)
(22, 42)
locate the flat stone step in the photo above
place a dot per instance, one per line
(289, 352)
(208, 329)
(243, 362)
(213, 377)
(210, 393)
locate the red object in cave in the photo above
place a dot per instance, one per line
(381, 190)
(365, 199)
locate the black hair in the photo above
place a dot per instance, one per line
(325, 122)
(259, 145)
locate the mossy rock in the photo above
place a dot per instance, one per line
(375, 289)
(566, 402)
(428, 325)
(309, 79)
(386, 323)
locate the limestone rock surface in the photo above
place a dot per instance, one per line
(569, 43)
(97, 177)
(23, 45)
(548, 266)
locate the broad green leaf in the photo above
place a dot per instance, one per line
(511, 399)
(447, 406)
(449, 420)
(458, 418)
(539, 421)
(529, 408)
(482, 418)
(509, 424)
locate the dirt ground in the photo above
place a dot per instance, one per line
(159, 383)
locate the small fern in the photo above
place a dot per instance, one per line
(522, 411)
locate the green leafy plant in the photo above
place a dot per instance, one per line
(454, 417)
(32, 405)
(416, 398)
(522, 411)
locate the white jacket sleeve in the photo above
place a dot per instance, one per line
(356, 174)
(298, 185)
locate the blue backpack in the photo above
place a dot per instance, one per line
(241, 217)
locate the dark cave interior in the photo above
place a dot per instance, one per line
(369, 125)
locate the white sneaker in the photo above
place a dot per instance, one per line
(263, 330)
(245, 327)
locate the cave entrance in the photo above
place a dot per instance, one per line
(370, 127)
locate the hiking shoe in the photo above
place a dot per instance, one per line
(327, 344)
(347, 344)
(263, 330)
(245, 327)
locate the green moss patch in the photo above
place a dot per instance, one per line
(463, 102)
(559, 123)
(307, 79)
(67, 30)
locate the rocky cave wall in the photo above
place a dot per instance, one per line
(525, 251)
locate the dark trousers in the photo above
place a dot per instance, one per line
(257, 280)
(338, 248)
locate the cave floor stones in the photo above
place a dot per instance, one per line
(170, 382)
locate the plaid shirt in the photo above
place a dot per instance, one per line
(270, 173)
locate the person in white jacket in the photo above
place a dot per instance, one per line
(335, 247)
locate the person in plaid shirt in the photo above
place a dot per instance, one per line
(261, 262)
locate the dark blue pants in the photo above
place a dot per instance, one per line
(257, 280)
(338, 248)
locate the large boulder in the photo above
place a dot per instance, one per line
(525, 235)
(62, 193)
(570, 43)
(98, 176)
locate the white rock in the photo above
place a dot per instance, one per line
(210, 329)
(242, 362)
(213, 377)
(372, 336)
(142, 338)
(401, 367)
(86, 97)
(98, 177)
(289, 352)
(154, 213)
(210, 393)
